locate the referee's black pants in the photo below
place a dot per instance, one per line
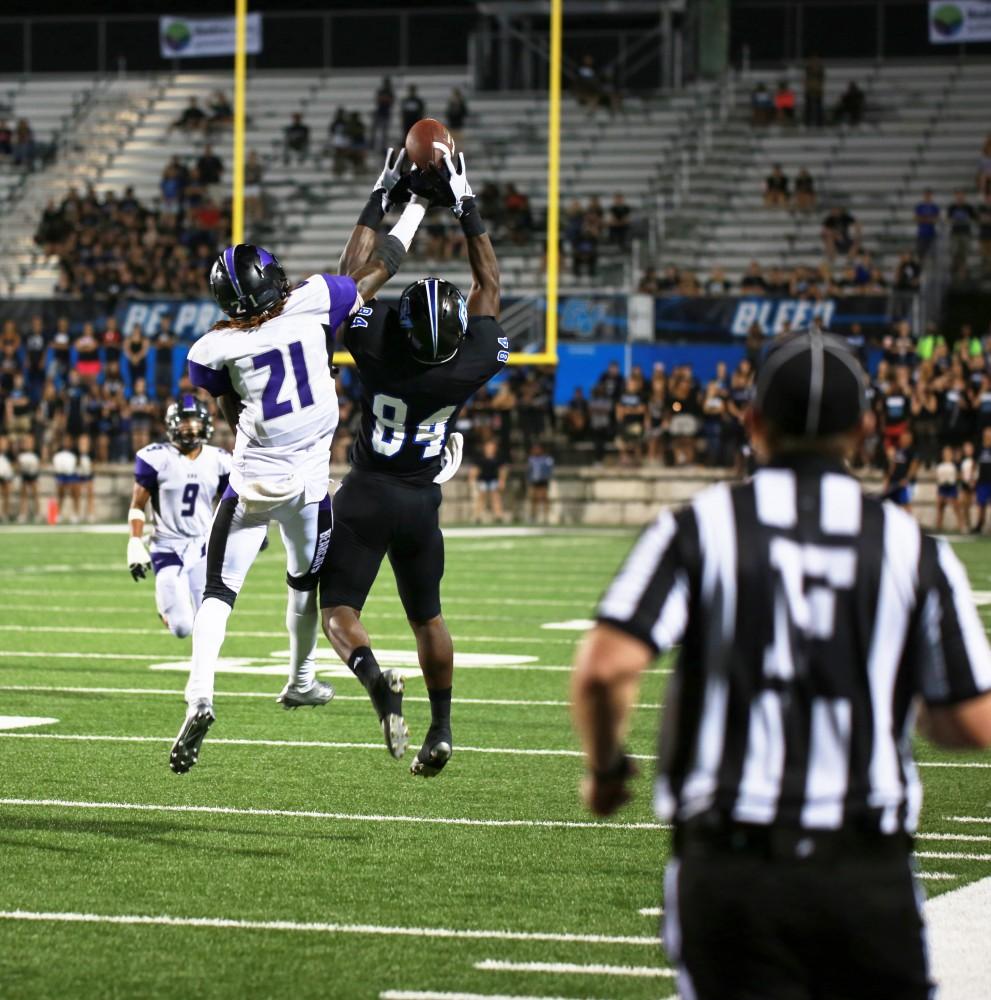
(752, 922)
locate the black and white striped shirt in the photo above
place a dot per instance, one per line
(809, 617)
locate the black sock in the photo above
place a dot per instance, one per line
(365, 667)
(440, 708)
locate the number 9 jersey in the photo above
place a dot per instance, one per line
(409, 408)
(280, 370)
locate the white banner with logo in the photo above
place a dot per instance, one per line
(190, 37)
(953, 23)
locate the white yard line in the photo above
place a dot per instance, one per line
(226, 923)
(968, 819)
(957, 934)
(574, 968)
(447, 995)
(939, 855)
(52, 689)
(160, 633)
(552, 824)
(651, 911)
(975, 838)
(937, 876)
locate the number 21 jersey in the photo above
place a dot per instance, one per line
(407, 408)
(281, 372)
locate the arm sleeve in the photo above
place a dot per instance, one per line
(145, 473)
(208, 372)
(649, 598)
(955, 660)
(343, 293)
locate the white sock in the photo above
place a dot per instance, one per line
(209, 629)
(302, 623)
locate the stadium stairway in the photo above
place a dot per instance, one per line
(923, 127)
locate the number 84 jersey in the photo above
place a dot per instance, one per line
(182, 490)
(408, 409)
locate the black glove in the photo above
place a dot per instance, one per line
(432, 184)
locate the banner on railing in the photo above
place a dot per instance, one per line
(953, 23)
(192, 37)
(189, 319)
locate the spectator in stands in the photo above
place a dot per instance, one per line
(339, 141)
(412, 109)
(984, 233)
(717, 283)
(164, 353)
(172, 186)
(491, 205)
(926, 216)
(588, 89)
(576, 415)
(648, 284)
(210, 167)
(714, 418)
(753, 281)
(6, 139)
(297, 139)
(611, 382)
(841, 233)
(254, 204)
(850, 107)
(539, 473)
(908, 273)
(488, 479)
(761, 105)
(220, 111)
(583, 232)
(456, 113)
(88, 362)
(784, 104)
(805, 192)
(385, 97)
(619, 222)
(136, 354)
(357, 142)
(983, 169)
(192, 119)
(143, 412)
(961, 216)
(815, 88)
(684, 415)
(35, 352)
(600, 420)
(776, 188)
(518, 218)
(24, 149)
(631, 421)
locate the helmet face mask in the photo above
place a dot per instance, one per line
(247, 280)
(434, 317)
(188, 424)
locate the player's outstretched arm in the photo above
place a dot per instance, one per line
(138, 559)
(483, 299)
(361, 243)
(388, 258)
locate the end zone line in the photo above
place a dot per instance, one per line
(52, 689)
(553, 824)
(572, 968)
(224, 923)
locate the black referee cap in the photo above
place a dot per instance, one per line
(810, 385)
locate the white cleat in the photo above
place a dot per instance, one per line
(318, 693)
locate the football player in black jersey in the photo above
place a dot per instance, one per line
(418, 365)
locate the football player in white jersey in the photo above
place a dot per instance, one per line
(268, 365)
(181, 478)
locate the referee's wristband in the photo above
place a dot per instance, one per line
(471, 220)
(373, 213)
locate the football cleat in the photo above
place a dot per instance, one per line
(434, 754)
(186, 749)
(387, 697)
(318, 693)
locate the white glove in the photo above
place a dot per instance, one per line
(390, 176)
(451, 461)
(138, 559)
(458, 181)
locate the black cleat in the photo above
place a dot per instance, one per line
(186, 749)
(436, 751)
(387, 697)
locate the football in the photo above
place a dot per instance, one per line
(421, 140)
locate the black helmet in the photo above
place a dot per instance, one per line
(434, 316)
(188, 438)
(247, 280)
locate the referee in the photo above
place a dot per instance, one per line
(816, 626)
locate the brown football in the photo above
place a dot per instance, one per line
(420, 141)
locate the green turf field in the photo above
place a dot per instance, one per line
(297, 859)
